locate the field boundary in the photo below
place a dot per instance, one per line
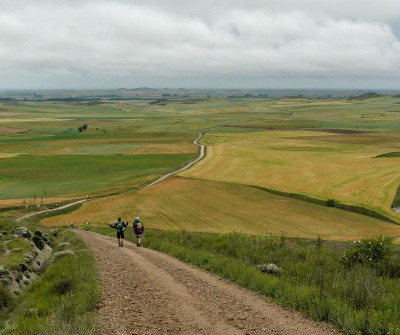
(346, 207)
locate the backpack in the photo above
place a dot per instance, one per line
(120, 226)
(139, 228)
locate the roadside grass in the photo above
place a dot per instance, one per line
(62, 300)
(359, 299)
(207, 206)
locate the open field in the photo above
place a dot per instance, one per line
(322, 148)
(317, 164)
(67, 174)
(207, 206)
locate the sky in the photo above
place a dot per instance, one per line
(200, 44)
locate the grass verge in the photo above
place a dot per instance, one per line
(62, 299)
(360, 298)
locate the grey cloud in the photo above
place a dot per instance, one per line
(220, 43)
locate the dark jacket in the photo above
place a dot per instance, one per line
(119, 226)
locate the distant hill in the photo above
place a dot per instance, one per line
(369, 95)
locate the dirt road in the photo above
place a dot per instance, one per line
(147, 292)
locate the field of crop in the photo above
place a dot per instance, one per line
(321, 148)
(208, 206)
(43, 155)
(314, 163)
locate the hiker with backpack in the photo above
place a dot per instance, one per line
(138, 228)
(120, 227)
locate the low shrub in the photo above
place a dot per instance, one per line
(375, 252)
(23, 232)
(270, 268)
(38, 242)
(61, 254)
(330, 203)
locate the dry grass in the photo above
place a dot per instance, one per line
(207, 206)
(9, 130)
(322, 165)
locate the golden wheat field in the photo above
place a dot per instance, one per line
(208, 206)
(320, 164)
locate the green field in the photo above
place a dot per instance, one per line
(320, 148)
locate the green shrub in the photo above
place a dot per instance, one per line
(270, 268)
(330, 203)
(38, 242)
(375, 252)
(61, 254)
(23, 232)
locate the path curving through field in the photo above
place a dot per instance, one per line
(202, 154)
(148, 292)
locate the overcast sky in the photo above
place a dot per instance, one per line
(200, 44)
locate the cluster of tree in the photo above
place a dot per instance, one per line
(82, 128)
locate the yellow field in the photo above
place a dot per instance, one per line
(318, 164)
(199, 205)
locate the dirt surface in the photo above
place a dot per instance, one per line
(147, 292)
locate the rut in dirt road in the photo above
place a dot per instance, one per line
(147, 292)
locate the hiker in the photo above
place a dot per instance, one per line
(138, 228)
(86, 225)
(71, 225)
(120, 227)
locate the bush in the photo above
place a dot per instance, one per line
(375, 252)
(330, 203)
(43, 236)
(270, 268)
(61, 254)
(23, 232)
(38, 242)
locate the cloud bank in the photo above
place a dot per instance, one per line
(287, 43)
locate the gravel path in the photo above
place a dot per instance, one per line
(147, 292)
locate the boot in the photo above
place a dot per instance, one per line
(138, 244)
(122, 243)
